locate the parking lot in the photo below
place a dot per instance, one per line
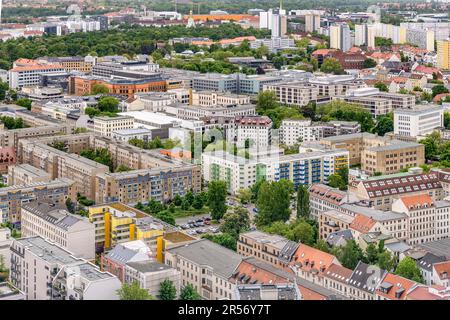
(196, 226)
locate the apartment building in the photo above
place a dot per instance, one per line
(161, 184)
(301, 169)
(419, 121)
(56, 191)
(340, 37)
(295, 131)
(427, 221)
(56, 224)
(443, 54)
(294, 93)
(273, 249)
(7, 159)
(192, 112)
(256, 130)
(118, 223)
(27, 73)
(150, 275)
(23, 174)
(324, 198)
(378, 154)
(5, 243)
(380, 192)
(63, 165)
(105, 126)
(43, 271)
(335, 85)
(205, 265)
(210, 98)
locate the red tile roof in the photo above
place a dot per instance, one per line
(443, 270)
(362, 223)
(417, 201)
(311, 259)
(399, 287)
(426, 70)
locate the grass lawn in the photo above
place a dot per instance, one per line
(179, 213)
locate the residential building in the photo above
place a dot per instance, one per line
(364, 281)
(294, 93)
(5, 243)
(340, 37)
(150, 275)
(125, 135)
(7, 158)
(364, 35)
(105, 126)
(312, 22)
(273, 249)
(380, 192)
(115, 260)
(443, 54)
(207, 266)
(426, 264)
(117, 223)
(293, 131)
(303, 168)
(394, 287)
(55, 223)
(256, 130)
(441, 271)
(418, 122)
(43, 271)
(56, 191)
(423, 38)
(324, 198)
(23, 174)
(159, 184)
(76, 63)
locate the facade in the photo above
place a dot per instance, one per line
(205, 265)
(26, 73)
(209, 98)
(44, 271)
(340, 37)
(323, 198)
(294, 93)
(443, 54)
(303, 168)
(56, 224)
(418, 122)
(5, 243)
(56, 191)
(149, 275)
(116, 223)
(105, 126)
(293, 131)
(159, 184)
(364, 35)
(23, 174)
(256, 130)
(7, 158)
(312, 22)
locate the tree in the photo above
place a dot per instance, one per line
(235, 222)
(371, 254)
(267, 100)
(381, 86)
(24, 102)
(350, 254)
(225, 240)
(369, 63)
(303, 232)
(336, 181)
(70, 205)
(185, 205)
(331, 65)
(133, 292)
(447, 120)
(198, 202)
(303, 210)
(322, 246)
(188, 293)
(407, 268)
(108, 104)
(217, 194)
(167, 290)
(274, 202)
(177, 200)
(99, 89)
(123, 168)
(386, 261)
(244, 195)
(385, 124)
(438, 90)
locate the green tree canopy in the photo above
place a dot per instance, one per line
(235, 222)
(217, 194)
(407, 268)
(133, 292)
(167, 290)
(331, 65)
(188, 293)
(303, 210)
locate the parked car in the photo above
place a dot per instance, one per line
(199, 220)
(184, 226)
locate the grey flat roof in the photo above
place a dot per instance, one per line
(204, 252)
(148, 266)
(47, 251)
